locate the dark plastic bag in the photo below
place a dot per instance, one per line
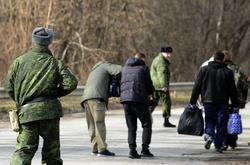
(234, 123)
(191, 122)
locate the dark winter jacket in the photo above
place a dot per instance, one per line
(215, 83)
(136, 83)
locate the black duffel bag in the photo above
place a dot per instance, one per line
(191, 121)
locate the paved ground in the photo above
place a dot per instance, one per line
(168, 146)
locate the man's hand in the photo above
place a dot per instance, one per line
(165, 89)
(192, 106)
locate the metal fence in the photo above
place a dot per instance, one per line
(179, 86)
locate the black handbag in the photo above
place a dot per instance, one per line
(191, 121)
(114, 87)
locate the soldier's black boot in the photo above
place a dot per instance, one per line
(167, 123)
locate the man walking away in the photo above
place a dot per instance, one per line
(242, 89)
(215, 83)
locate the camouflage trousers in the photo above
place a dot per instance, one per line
(165, 99)
(28, 141)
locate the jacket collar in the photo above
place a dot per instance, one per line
(217, 64)
(163, 58)
(40, 49)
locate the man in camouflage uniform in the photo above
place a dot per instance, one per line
(242, 90)
(160, 75)
(34, 81)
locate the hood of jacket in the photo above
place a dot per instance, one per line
(132, 61)
(229, 62)
(97, 64)
(217, 64)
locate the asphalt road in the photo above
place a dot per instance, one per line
(167, 145)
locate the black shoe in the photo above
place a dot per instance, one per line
(219, 151)
(225, 148)
(168, 125)
(134, 155)
(146, 153)
(106, 153)
(208, 142)
(233, 146)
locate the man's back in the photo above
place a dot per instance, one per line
(98, 80)
(136, 82)
(239, 78)
(215, 82)
(31, 70)
(36, 75)
(240, 82)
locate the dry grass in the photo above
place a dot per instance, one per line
(180, 98)
(71, 104)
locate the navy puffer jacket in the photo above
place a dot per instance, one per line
(136, 83)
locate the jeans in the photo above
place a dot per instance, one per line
(216, 119)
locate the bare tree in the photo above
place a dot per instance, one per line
(87, 31)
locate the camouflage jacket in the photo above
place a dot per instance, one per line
(34, 74)
(240, 82)
(159, 72)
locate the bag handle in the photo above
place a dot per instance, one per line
(236, 110)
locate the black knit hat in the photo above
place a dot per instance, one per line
(45, 38)
(166, 49)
